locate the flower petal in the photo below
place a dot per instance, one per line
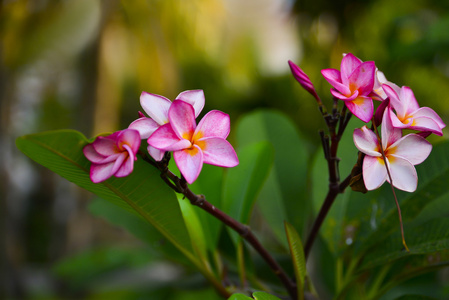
(389, 134)
(348, 64)
(214, 124)
(129, 137)
(96, 158)
(105, 146)
(395, 102)
(362, 107)
(189, 162)
(408, 100)
(429, 113)
(403, 174)
(101, 172)
(363, 78)
(425, 124)
(195, 98)
(164, 138)
(156, 154)
(145, 126)
(340, 96)
(218, 152)
(333, 77)
(92, 155)
(411, 147)
(155, 106)
(366, 141)
(127, 165)
(374, 172)
(182, 119)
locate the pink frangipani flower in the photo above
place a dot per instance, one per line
(354, 85)
(194, 145)
(408, 113)
(113, 154)
(303, 80)
(401, 154)
(157, 107)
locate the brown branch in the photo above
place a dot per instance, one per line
(179, 185)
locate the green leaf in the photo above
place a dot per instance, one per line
(239, 296)
(210, 184)
(285, 193)
(264, 296)
(135, 225)
(142, 192)
(429, 237)
(298, 259)
(243, 183)
(194, 227)
(81, 270)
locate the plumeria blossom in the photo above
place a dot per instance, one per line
(408, 113)
(194, 145)
(354, 85)
(380, 80)
(157, 107)
(303, 79)
(113, 154)
(401, 154)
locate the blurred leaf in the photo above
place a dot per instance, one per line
(298, 259)
(81, 270)
(429, 237)
(243, 183)
(415, 297)
(142, 192)
(264, 296)
(135, 225)
(284, 195)
(239, 297)
(61, 32)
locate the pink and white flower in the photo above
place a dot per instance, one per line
(354, 85)
(157, 107)
(401, 154)
(408, 113)
(194, 145)
(113, 155)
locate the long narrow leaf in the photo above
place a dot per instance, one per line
(298, 258)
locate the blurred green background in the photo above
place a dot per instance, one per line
(82, 64)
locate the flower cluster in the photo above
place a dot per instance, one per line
(171, 126)
(392, 155)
